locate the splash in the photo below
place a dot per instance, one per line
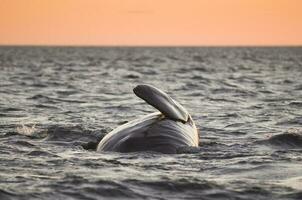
(27, 130)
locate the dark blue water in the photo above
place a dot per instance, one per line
(56, 104)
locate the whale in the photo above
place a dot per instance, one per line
(164, 131)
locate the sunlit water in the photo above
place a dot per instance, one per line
(57, 103)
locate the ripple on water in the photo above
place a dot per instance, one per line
(290, 139)
(245, 102)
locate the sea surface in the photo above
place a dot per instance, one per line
(56, 103)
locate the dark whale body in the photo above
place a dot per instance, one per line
(164, 131)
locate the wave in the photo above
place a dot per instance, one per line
(290, 139)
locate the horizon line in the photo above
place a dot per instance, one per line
(155, 46)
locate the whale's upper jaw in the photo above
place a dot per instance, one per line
(163, 102)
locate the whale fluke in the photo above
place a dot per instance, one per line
(163, 102)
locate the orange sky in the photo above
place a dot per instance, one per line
(151, 22)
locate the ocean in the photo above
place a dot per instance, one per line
(56, 104)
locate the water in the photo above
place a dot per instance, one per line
(57, 103)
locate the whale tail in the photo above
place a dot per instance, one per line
(162, 102)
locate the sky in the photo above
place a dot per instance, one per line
(151, 22)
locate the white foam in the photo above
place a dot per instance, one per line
(27, 130)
